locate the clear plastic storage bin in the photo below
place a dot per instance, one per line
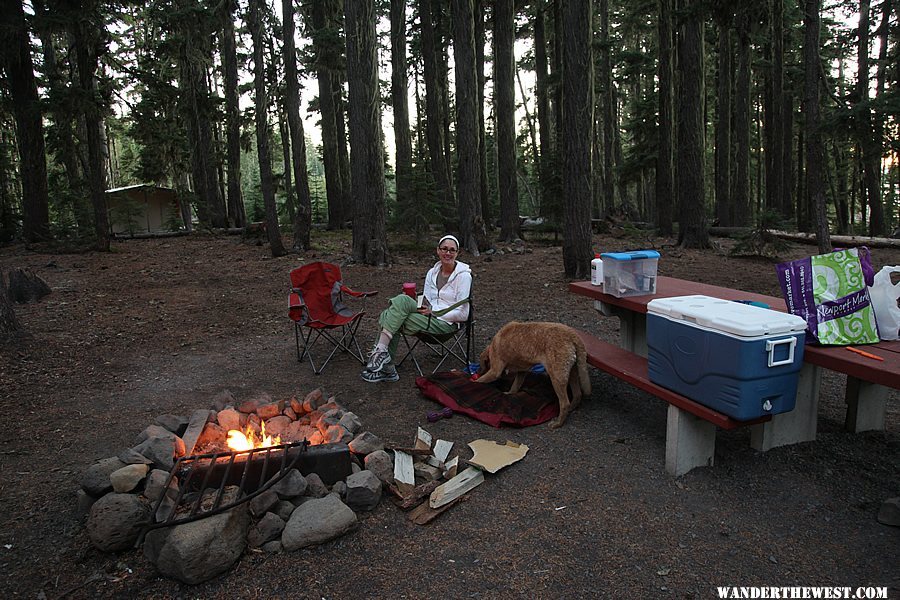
(630, 273)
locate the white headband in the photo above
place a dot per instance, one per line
(449, 237)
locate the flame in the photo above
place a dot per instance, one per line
(238, 441)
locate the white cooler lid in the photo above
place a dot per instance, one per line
(738, 319)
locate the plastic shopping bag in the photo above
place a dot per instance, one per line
(830, 292)
(884, 296)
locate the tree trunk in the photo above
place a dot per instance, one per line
(607, 114)
(779, 176)
(303, 216)
(483, 194)
(235, 203)
(367, 160)
(323, 34)
(545, 133)
(87, 55)
(870, 146)
(741, 184)
(693, 232)
(340, 121)
(723, 125)
(194, 60)
(578, 119)
(434, 117)
(400, 102)
(15, 59)
(468, 169)
(62, 119)
(261, 104)
(505, 118)
(665, 180)
(815, 154)
(9, 324)
(287, 178)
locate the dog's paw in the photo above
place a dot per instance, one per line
(555, 423)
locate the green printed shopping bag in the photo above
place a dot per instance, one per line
(830, 292)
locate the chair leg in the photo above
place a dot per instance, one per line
(307, 347)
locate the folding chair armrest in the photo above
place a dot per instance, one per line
(356, 294)
(444, 311)
(296, 306)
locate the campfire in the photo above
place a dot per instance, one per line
(232, 477)
(238, 440)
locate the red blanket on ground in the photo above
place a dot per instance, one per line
(535, 403)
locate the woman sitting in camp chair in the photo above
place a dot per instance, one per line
(447, 287)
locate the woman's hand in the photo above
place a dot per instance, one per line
(423, 311)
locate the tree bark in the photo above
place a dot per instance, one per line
(607, 113)
(741, 184)
(542, 85)
(723, 123)
(434, 117)
(692, 232)
(303, 216)
(326, 55)
(366, 146)
(665, 179)
(468, 170)
(261, 104)
(483, 194)
(505, 118)
(235, 201)
(9, 324)
(87, 50)
(778, 178)
(578, 118)
(400, 102)
(870, 146)
(194, 60)
(815, 154)
(15, 59)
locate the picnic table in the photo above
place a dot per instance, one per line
(868, 380)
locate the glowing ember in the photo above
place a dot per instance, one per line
(240, 441)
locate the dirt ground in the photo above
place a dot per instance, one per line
(161, 326)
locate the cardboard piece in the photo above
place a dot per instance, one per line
(492, 456)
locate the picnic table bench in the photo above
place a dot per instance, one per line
(690, 430)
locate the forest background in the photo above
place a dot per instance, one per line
(673, 114)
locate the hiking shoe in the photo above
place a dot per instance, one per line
(377, 360)
(387, 373)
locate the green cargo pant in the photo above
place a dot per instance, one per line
(401, 317)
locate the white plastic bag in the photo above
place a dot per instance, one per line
(884, 296)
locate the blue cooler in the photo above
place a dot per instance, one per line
(741, 360)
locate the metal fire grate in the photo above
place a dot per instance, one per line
(252, 471)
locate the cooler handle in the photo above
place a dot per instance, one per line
(770, 348)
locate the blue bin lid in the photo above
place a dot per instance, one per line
(633, 255)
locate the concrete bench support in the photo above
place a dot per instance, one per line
(866, 404)
(690, 442)
(798, 425)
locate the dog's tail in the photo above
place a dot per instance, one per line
(584, 378)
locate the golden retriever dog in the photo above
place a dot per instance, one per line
(519, 346)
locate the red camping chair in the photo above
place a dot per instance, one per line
(316, 306)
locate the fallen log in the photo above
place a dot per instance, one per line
(842, 241)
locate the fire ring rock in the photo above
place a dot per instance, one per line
(197, 551)
(363, 491)
(116, 520)
(95, 480)
(317, 521)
